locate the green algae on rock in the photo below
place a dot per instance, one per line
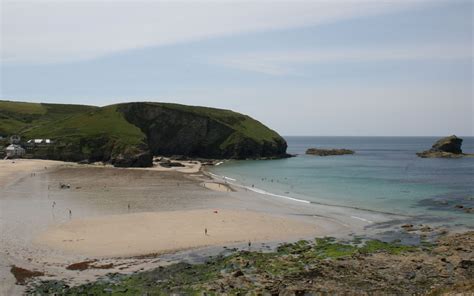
(319, 266)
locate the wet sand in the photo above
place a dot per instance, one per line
(162, 232)
(34, 207)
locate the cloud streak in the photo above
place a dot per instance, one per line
(59, 31)
(285, 62)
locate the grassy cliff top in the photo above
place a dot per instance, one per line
(19, 117)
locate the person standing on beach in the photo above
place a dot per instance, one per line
(54, 203)
(128, 207)
(70, 214)
(205, 231)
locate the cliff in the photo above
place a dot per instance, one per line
(131, 134)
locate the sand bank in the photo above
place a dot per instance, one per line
(144, 233)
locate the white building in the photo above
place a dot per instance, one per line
(39, 141)
(13, 151)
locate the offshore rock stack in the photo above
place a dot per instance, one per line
(448, 147)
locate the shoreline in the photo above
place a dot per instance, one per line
(264, 192)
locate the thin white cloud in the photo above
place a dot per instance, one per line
(285, 62)
(51, 31)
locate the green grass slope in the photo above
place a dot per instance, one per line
(98, 122)
(18, 117)
(124, 130)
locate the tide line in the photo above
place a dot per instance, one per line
(260, 191)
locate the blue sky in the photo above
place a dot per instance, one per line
(303, 68)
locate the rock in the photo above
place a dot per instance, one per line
(143, 159)
(170, 164)
(80, 265)
(328, 152)
(238, 273)
(426, 229)
(451, 144)
(448, 147)
(22, 275)
(466, 264)
(410, 275)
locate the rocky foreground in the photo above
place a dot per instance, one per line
(305, 268)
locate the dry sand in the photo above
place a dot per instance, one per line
(12, 170)
(145, 233)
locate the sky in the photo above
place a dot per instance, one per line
(322, 68)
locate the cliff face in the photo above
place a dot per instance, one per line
(174, 130)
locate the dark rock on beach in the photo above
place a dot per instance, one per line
(22, 275)
(328, 152)
(142, 159)
(448, 147)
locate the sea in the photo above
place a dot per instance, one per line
(383, 175)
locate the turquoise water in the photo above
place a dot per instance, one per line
(384, 175)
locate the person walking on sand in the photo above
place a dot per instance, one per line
(129, 207)
(70, 214)
(54, 203)
(205, 231)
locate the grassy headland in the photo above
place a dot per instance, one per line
(123, 133)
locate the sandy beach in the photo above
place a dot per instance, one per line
(112, 214)
(161, 232)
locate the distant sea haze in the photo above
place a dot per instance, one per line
(384, 175)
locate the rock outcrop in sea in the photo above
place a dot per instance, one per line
(448, 147)
(328, 152)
